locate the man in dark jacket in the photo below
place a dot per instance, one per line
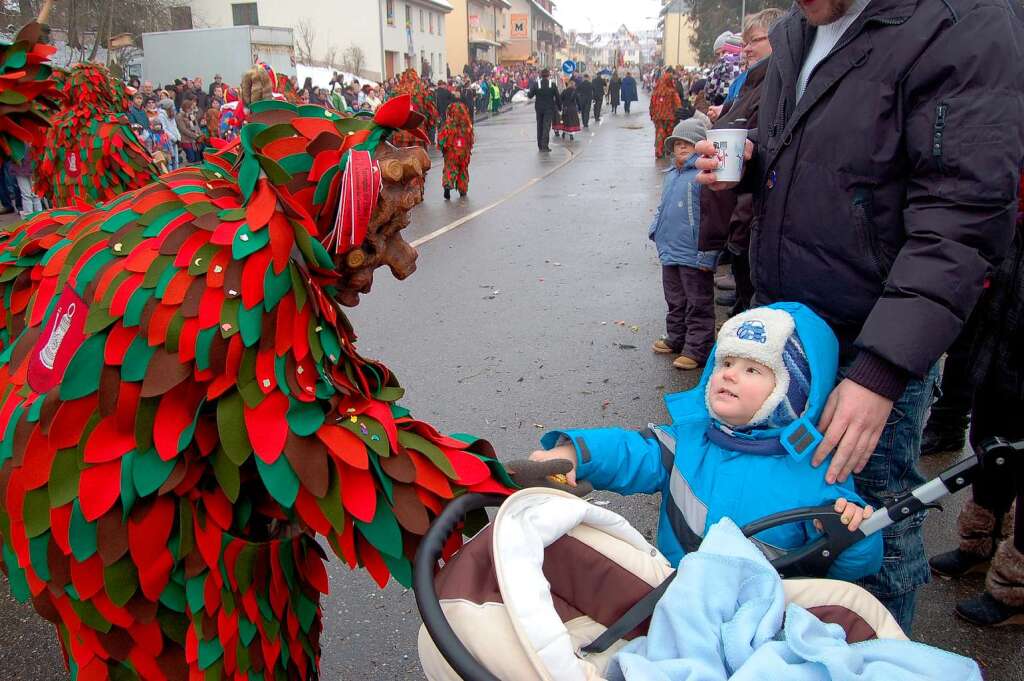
(629, 94)
(442, 100)
(585, 95)
(546, 103)
(890, 138)
(599, 86)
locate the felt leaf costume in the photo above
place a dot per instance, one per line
(410, 83)
(456, 142)
(664, 102)
(183, 409)
(28, 93)
(90, 153)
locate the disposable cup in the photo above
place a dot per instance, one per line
(729, 144)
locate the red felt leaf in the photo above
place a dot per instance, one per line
(174, 415)
(469, 470)
(149, 637)
(311, 127)
(108, 442)
(60, 525)
(128, 405)
(373, 563)
(358, 494)
(394, 112)
(149, 529)
(208, 539)
(344, 445)
(261, 205)
(267, 426)
(381, 412)
(87, 577)
(282, 238)
(310, 512)
(316, 572)
(69, 421)
(429, 477)
(39, 456)
(253, 273)
(118, 340)
(99, 488)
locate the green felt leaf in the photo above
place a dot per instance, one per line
(330, 506)
(280, 480)
(209, 652)
(246, 242)
(387, 486)
(231, 428)
(173, 597)
(229, 317)
(250, 321)
(145, 417)
(227, 475)
(296, 163)
(429, 450)
(329, 341)
(248, 174)
(400, 568)
(244, 571)
(98, 318)
(323, 185)
(149, 471)
(121, 580)
(38, 548)
(202, 257)
(136, 304)
(304, 418)
(384, 532)
(323, 258)
(81, 535)
(305, 610)
(375, 437)
(128, 493)
(399, 412)
(136, 360)
(83, 373)
(275, 287)
(277, 175)
(194, 590)
(390, 394)
(15, 575)
(118, 220)
(36, 510)
(90, 616)
(204, 342)
(64, 474)
(156, 270)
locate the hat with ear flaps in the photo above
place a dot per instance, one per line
(768, 336)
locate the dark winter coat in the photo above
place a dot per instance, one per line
(442, 99)
(629, 89)
(599, 85)
(545, 95)
(569, 121)
(613, 90)
(888, 192)
(585, 92)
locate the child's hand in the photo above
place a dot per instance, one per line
(852, 514)
(566, 452)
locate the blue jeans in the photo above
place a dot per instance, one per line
(890, 471)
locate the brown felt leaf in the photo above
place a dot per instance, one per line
(308, 458)
(399, 467)
(111, 537)
(409, 510)
(165, 371)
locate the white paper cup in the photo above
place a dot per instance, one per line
(729, 144)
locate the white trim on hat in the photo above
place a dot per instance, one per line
(760, 335)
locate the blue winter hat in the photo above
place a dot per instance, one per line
(768, 336)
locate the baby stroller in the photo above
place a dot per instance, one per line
(555, 586)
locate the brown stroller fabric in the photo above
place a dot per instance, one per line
(595, 567)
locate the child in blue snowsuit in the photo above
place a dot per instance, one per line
(739, 445)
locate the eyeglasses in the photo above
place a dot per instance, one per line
(754, 41)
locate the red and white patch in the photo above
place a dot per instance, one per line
(62, 335)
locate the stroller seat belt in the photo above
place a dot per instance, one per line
(633, 618)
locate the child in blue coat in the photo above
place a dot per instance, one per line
(739, 445)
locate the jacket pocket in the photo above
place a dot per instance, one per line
(867, 231)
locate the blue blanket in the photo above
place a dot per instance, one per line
(725, 617)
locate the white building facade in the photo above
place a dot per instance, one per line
(390, 35)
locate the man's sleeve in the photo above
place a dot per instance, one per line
(964, 119)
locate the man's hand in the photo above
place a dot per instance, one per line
(714, 112)
(852, 422)
(708, 163)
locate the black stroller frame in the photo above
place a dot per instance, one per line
(811, 560)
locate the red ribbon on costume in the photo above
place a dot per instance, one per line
(360, 189)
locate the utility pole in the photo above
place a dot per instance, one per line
(743, 13)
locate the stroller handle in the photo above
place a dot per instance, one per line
(427, 555)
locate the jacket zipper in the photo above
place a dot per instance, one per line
(941, 109)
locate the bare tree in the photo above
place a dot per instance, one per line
(331, 57)
(305, 39)
(354, 59)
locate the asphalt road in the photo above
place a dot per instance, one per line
(533, 307)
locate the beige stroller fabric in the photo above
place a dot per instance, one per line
(553, 571)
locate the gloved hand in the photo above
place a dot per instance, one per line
(551, 474)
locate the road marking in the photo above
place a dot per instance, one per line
(477, 213)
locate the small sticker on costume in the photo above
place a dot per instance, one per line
(64, 333)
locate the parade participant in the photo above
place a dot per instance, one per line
(207, 415)
(614, 94)
(629, 93)
(90, 153)
(599, 88)
(687, 273)
(411, 84)
(456, 143)
(664, 103)
(729, 450)
(569, 114)
(905, 256)
(585, 97)
(547, 102)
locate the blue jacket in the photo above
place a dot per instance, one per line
(706, 472)
(676, 223)
(628, 89)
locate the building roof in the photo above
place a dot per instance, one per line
(442, 5)
(539, 7)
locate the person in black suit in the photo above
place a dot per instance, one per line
(546, 103)
(599, 88)
(585, 93)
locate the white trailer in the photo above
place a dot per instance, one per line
(205, 52)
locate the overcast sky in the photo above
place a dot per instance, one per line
(607, 15)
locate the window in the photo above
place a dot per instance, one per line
(408, 16)
(430, 17)
(422, 27)
(245, 14)
(440, 25)
(181, 18)
(391, 12)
